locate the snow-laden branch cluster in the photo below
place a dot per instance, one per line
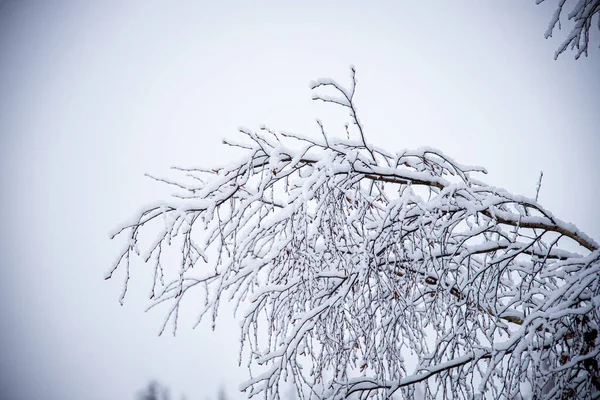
(362, 272)
(582, 16)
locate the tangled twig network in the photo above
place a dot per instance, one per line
(360, 272)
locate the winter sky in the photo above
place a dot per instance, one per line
(95, 94)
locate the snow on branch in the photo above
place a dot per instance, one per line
(346, 259)
(582, 15)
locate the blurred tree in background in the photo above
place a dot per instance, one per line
(154, 391)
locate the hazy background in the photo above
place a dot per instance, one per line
(95, 94)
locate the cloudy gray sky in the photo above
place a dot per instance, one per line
(95, 94)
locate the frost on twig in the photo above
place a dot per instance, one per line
(363, 272)
(539, 186)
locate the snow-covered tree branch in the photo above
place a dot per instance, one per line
(582, 16)
(357, 271)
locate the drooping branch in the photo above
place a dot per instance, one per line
(582, 16)
(348, 258)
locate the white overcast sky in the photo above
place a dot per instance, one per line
(95, 94)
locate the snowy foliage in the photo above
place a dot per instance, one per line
(360, 272)
(581, 15)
